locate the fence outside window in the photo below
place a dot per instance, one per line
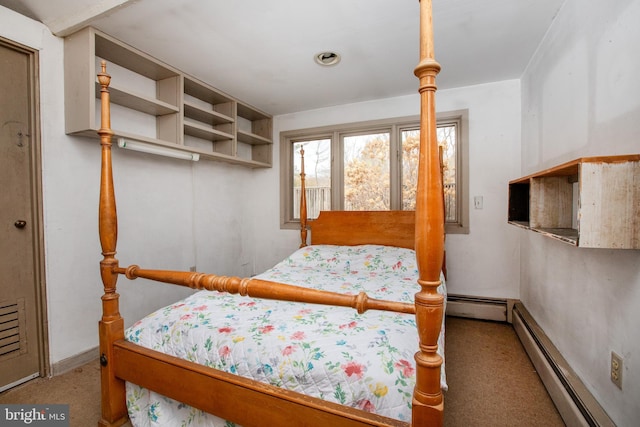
(319, 199)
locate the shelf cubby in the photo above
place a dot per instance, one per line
(590, 202)
(254, 129)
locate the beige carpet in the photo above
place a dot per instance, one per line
(491, 379)
(80, 389)
(491, 383)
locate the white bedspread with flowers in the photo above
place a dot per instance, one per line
(364, 361)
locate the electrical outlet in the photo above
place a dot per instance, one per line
(616, 370)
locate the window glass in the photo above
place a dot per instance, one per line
(447, 138)
(317, 169)
(410, 138)
(366, 172)
(410, 155)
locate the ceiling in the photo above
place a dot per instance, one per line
(262, 51)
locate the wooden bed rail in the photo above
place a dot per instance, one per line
(265, 289)
(233, 396)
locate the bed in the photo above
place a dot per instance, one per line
(362, 361)
(158, 364)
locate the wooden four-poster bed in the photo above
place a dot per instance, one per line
(129, 368)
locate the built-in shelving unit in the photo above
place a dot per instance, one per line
(254, 133)
(591, 202)
(155, 103)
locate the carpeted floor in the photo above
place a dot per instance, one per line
(491, 382)
(491, 379)
(79, 388)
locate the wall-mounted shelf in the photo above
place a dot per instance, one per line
(158, 104)
(591, 202)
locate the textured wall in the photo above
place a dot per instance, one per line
(579, 98)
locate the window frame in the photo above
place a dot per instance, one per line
(395, 126)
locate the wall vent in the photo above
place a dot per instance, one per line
(13, 340)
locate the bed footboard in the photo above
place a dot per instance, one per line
(246, 402)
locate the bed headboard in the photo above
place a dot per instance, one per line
(391, 228)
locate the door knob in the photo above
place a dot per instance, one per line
(20, 223)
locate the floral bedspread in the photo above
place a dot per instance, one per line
(364, 361)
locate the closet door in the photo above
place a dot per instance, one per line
(21, 337)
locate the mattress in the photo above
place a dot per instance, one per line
(364, 360)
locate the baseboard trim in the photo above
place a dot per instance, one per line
(479, 307)
(73, 362)
(574, 402)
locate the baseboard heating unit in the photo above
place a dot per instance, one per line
(574, 402)
(479, 307)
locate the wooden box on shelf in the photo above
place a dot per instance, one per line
(591, 202)
(157, 104)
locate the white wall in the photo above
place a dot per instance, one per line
(160, 223)
(494, 152)
(580, 98)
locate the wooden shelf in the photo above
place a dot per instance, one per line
(251, 138)
(208, 133)
(206, 116)
(138, 102)
(188, 114)
(589, 202)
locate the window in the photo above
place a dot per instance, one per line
(367, 180)
(371, 166)
(317, 168)
(447, 134)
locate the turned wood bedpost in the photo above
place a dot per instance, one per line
(428, 401)
(111, 326)
(303, 202)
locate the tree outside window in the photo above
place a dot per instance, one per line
(367, 182)
(447, 137)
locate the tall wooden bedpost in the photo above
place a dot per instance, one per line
(428, 401)
(303, 202)
(114, 410)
